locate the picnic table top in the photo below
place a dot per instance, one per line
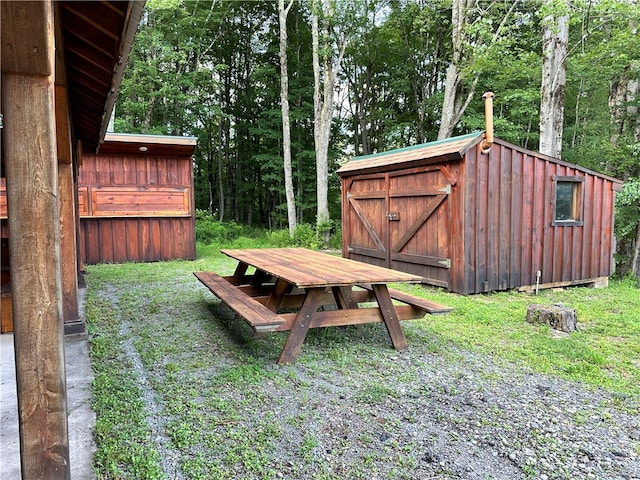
(308, 268)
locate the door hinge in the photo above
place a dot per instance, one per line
(1, 121)
(446, 189)
(445, 263)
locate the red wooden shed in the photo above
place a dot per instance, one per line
(476, 222)
(135, 200)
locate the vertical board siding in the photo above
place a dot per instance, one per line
(135, 238)
(498, 227)
(508, 223)
(457, 205)
(110, 240)
(517, 214)
(506, 209)
(482, 220)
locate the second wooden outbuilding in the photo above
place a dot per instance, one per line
(476, 218)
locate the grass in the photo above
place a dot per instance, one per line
(178, 380)
(604, 352)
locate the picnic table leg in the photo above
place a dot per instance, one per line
(241, 269)
(301, 325)
(390, 316)
(344, 297)
(280, 289)
(259, 277)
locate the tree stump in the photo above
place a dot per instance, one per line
(557, 316)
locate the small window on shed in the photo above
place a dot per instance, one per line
(568, 200)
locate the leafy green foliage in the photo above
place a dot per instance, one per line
(211, 231)
(210, 69)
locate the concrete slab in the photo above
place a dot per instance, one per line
(81, 417)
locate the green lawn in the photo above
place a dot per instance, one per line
(154, 328)
(604, 352)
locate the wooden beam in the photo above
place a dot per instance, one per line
(63, 126)
(34, 243)
(69, 265)
(27, 37)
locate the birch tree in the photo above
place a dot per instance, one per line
(286, 128)
(555, 38)
(326, 66)
(452, 106)
(472, 35)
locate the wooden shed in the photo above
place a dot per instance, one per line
(135, 200)
(475, 222)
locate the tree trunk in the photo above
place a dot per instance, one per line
(452, 88)
(555, 37)
(635, 263)
(557, 317)
(458, 93)
(286, 128)
(324, 82)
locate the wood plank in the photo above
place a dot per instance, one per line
(493, 244)
(427, 305)
(133, 239)
(106, 241)
(344, 297)
(516, 220)
(505, 212)
(362, 216)
(166, 239)
(3, 198)
(527, 275)
(465, 205)
(27, 38)
(253, 312)
(367, 252)
(308, 268)
(63, 126)
(413, 229)
(155, 240)
(390, 316)
(482, 221)
(69, 262)
(356, 316)
(120, 240)
(140, 201)
(548, 237)
(440, 262)
(83, 202)
(280, 289)
(29, 145)
(300, 327)
(91, 241)
(422, 191)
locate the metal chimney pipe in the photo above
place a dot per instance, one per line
(485, 146)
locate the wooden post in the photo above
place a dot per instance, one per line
(34, 240)
(70, 308)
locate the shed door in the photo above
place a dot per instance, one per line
(366, 209)
(402, 220)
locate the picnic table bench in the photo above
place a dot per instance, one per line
(294, 289)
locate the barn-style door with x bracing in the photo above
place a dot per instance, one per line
(401, 220)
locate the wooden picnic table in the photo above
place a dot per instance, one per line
(289, 287)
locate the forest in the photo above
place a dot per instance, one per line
(280, 94)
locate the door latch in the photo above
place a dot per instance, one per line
(393, 216)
